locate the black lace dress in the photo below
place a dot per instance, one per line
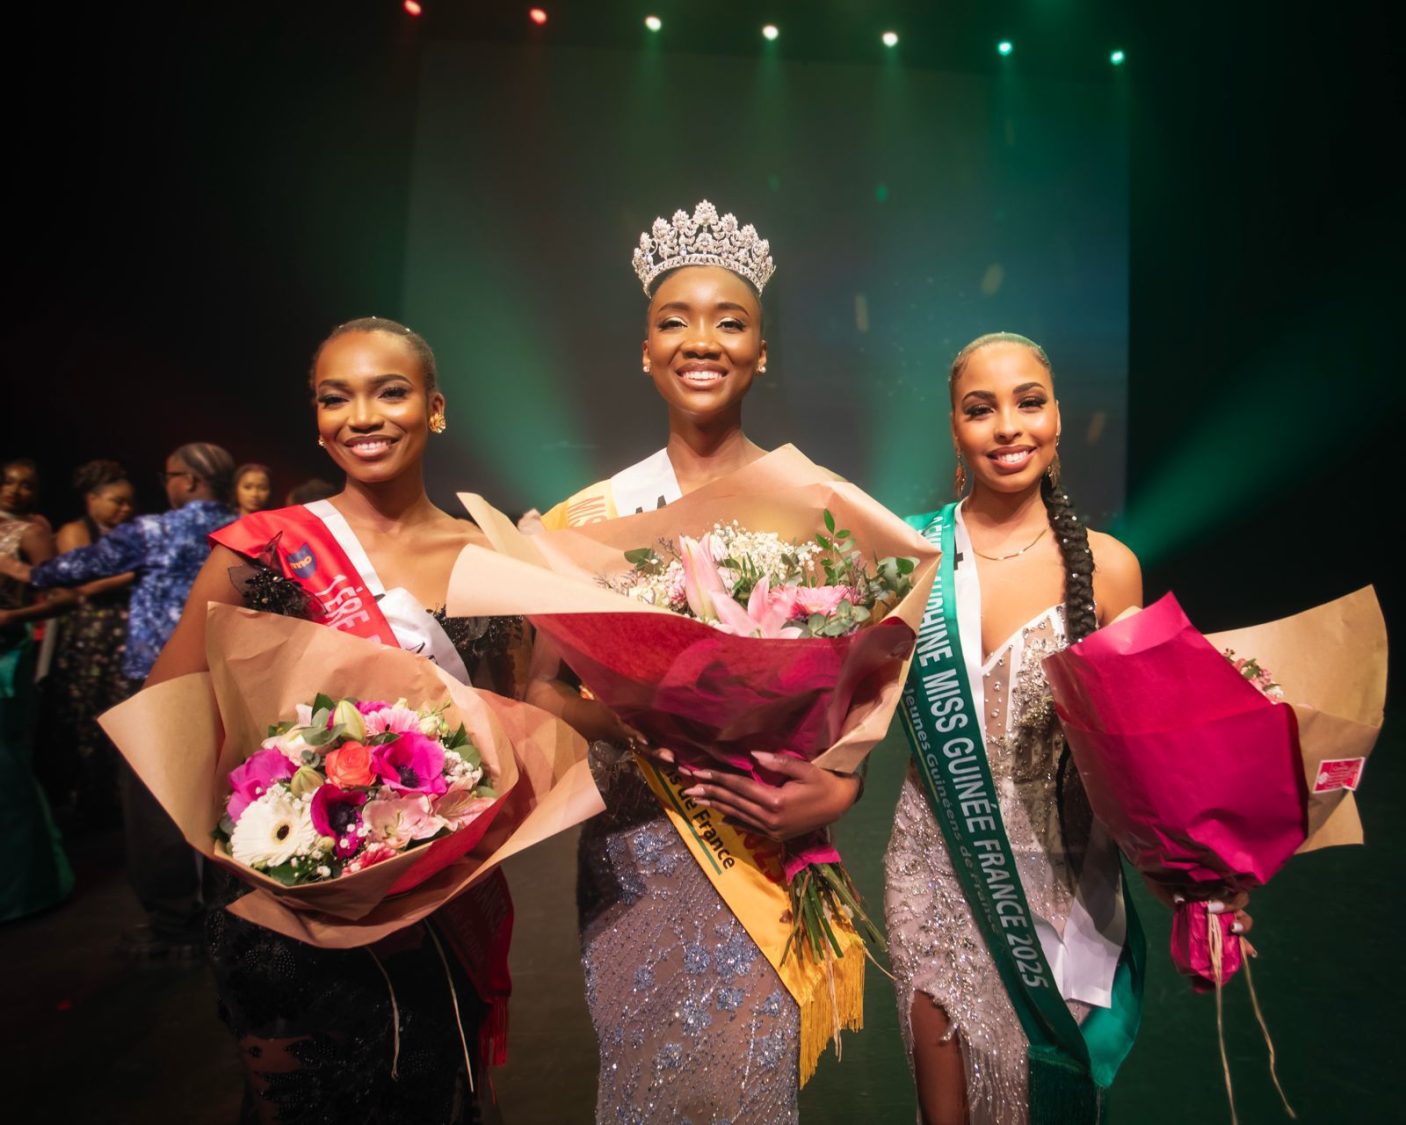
(354, 1036)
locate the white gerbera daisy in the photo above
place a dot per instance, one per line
(273, 830)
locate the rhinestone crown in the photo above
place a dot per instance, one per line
(703, 240)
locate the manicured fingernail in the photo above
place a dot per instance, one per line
(1237, 928)
(1178, 899)
(1215, 906)
(694, 791)
(764, 754)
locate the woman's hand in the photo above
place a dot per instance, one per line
(808, 798)
(1220, 898)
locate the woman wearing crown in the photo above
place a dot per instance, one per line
(692, 1021)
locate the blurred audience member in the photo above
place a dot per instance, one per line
(75, 761)
(19, 491)
(253, 485)
(35, 873)
(166, 552)
(310, 490)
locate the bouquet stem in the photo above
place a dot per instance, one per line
(823, 897)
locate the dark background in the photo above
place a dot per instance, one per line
(200, 191)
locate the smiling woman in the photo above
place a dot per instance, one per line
(693, 1020)
(318, 1027)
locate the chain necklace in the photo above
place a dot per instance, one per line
(1013, 554)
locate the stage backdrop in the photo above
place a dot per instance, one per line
(908, 212)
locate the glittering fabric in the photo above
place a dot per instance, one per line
(935, 945)
(693, 1023)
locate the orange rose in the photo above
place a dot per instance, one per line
(349, 766)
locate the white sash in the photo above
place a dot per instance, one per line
(414, 627)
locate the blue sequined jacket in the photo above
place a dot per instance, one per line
(166, 551)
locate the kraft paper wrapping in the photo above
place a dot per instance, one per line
(1331, 662)
(555, 573)
(183, 737)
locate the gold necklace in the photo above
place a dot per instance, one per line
(1013, 554)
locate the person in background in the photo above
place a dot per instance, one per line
(75, 761)
(19, 492)
(35, 874)
(312, 490)
(253, 485)
(166, 552)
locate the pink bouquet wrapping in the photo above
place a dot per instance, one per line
(1199, 774)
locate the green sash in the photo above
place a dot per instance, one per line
(1070, 1064)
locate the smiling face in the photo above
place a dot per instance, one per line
(251, 492)
(1004, 417)
(373, 404)
(705, 341)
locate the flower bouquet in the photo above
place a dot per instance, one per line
(772, 610)
(345, 833)
(350, 783)
(1207, 769)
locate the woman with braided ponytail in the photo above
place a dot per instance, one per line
(1017, 958)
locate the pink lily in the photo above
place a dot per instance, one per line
(702, 584)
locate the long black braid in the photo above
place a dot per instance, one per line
(1080, 614)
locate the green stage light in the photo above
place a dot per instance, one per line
(890, 38)
(770, 31)
(1005, 47)
(654, 23)
(1116, 58)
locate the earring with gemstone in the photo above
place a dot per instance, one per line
(437, 424)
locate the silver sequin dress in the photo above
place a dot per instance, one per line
(935, 945)
(693, 1023)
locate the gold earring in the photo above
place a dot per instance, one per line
(959, 478)
(322, 443)
(437, 424)
(1053, 472)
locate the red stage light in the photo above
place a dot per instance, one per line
(537, 15)
(413, 7)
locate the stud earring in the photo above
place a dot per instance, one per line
(322, 443)
(437, 424)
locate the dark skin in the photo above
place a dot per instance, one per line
(703, 350)
(374, 405)
(108, 505)
(1005, 425)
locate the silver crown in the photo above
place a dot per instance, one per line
(704, 240)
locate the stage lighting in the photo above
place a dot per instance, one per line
(1005, 47)
(770, 31)
(1116, 58)
(654, 23)
(413, 7)
(537, 15)
(890, 38)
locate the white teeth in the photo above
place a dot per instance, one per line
(1012, 458)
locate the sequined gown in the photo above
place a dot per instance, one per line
(934, 943)
(693, 1023)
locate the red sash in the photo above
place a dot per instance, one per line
(478, 925)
